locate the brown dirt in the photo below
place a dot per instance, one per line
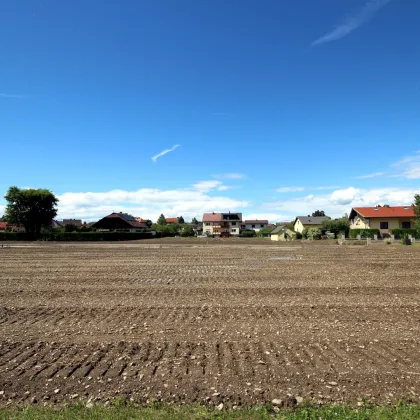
(238, 321)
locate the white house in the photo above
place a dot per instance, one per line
(222, 224)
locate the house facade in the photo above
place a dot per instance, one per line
(121, 222)
(382, 218)
(255, 225)
(222, 224)
(278, 234)
(306, 222)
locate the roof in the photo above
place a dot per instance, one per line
(172, 219)
(76, 222)
(252, 222)
(212, 217)
(280, 229)
(140, 220)
(3, 225)
(309, 220)
(394, 211)
(130, 220)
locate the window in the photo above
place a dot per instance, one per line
(406, 225)
(253, 226)
(233, 230)
(207, 223)
(262, 226)
(384, 225)
(233, 223)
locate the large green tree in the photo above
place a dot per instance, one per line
(31, 208)
(318, 213)
(181, 220)
(162, 220)
(194, 220)
(416, 207)
(336, 226)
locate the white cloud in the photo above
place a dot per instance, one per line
(353, 22)
(300, 189)
(148, 202)
(164, 152)
(271, 217)
(372, 175)
(233, 175)
(224, 188)
(2, 210)
(341, 201)
(410, 166)
(290, 189)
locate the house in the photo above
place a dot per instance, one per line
(172, 220)
(3, 226)
(196, 227)
(76, 222)
(306, 222)
(56, 224)
(384, 218)
(278, 234)
(255, 225)
(120, 222)
(7, 227)
(222, 224)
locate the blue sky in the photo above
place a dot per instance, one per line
(272, 108)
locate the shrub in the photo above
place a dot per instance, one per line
(400, 233)
(405, 240)
(248, 234)
(387, 241)
(313, 233)
(299, 235)
(364, 233)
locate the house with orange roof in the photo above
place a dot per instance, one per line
(384, 218)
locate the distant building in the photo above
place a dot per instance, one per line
(222, 224)
(172, 220)
(255, 225)
(383, 218)
(76, 222)
(120, 222)
(306, 222)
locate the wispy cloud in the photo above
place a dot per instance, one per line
(12, 96)
(367, 176)
(353, 22)
(410, 166)
(290, 189)
(232, 175)
(164, 152)
(300, 189)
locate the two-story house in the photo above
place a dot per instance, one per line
(222, 224)
(255, 225)
(384, 218)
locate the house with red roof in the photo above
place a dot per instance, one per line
(172, 220)
(384, 218)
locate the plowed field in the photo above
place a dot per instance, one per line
(190, 321)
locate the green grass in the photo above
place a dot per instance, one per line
(160, 411)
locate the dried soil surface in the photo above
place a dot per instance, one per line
(237, 322)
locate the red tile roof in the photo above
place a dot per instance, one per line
(212, 217)
(3, 225)
(172, 219)
(395, 211)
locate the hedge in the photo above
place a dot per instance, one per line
(364, 233)
(400, 233)
(78, 236)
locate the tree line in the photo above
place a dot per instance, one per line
(36, 208)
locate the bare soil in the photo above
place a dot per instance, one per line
(210, 321)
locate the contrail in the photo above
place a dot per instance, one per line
(353, 22)
(164, 152)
